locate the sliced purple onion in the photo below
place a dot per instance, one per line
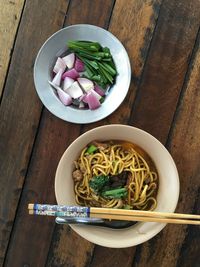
(74, 90)
(73, 74)
(64, 97)
(57, 78)
(83, 98)
(60, 65)
(69, 60)
(54, 85)
(86, 84)
(67, 83)
(92, 101)
(99, 90)
(96, 94)
(79, 65)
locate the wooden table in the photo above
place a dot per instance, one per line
(162, 39)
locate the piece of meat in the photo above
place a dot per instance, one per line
(117, 184)
(119, 180)
(77, 175)
(82, 168)
(99, 145)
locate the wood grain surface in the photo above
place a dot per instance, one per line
(175, 243)
(166, 90)
(163, 43)
(142, 36)
(165, 70)
(9, 20)
(46, 136)
(20, 108)
(185, 149)
(59, 253)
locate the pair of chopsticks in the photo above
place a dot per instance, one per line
(112, 214)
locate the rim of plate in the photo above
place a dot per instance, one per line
(96, 234)
(70, 114)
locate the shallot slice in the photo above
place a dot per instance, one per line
(96, 94)
(74, 90)
(86, 84)
(57, 78)
(64, 97)
(79, 65)
(69, 60)
(73, 74)
(83, 98)
(60, 65)
(92, 101)
(99, 90)
(67, 83)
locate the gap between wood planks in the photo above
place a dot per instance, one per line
(184, 86)
(25, 174)
(190, 232)
(32, 152)
(85, 127)
(189, 72)
(52, 260)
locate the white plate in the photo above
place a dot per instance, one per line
(168, 191)
(55, 46)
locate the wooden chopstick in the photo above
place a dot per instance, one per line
(144, 219)
(113, 214)
(124, 212)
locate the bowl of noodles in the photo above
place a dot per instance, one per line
(118, 166)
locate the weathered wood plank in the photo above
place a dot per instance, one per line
(167, 33)
(52, 132)
(36, 232)
(70, 249)
(133, 23)
(166, 67)
(10, 13)
(90, 12)
(137, 20)
(114, 257)
(20, 108)
(62, 251)
(179, 245)
(186, 132)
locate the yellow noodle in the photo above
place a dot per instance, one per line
(116, 158)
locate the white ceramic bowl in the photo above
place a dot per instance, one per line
(168, 191)
(55, 46)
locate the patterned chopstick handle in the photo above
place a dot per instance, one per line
(70, 214)
(59, 210)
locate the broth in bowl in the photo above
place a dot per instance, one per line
(115, 174)
(159, 161)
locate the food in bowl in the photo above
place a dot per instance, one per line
(54, 47)
(167, 194)
(83, 74)
(115, 174)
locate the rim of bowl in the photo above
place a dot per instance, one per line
(84, 113)
(160, 226)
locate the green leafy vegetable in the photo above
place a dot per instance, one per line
(91, 149)
(97, 59)
(97, 183)
(115, 193)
